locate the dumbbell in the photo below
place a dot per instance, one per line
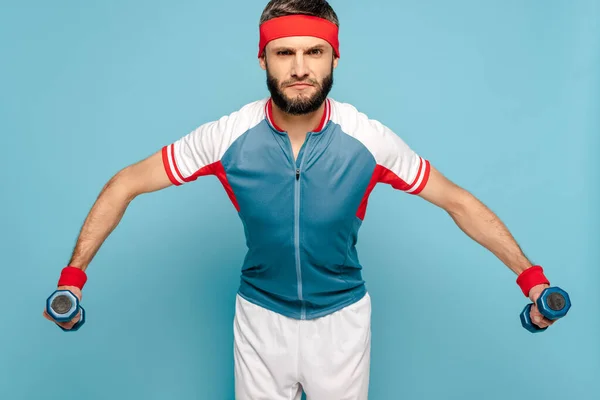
(63, 306)
(553, 303)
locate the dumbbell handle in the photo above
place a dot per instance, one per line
(78, 324)
(527, 322)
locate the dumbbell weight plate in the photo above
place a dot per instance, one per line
(62, 305)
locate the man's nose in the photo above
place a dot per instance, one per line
(300, 69)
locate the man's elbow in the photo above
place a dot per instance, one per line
(122, 185)
(145, 176)
(460, 202)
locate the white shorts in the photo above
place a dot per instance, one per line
(276, 357)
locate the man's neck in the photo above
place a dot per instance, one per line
(298, 124)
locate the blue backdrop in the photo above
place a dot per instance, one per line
(501, 96)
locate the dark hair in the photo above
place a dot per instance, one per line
(316, 8)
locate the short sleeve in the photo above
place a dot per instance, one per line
(397, 164)
(200, 151)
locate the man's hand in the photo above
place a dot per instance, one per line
(536, 317)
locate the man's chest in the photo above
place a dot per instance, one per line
(323, 176)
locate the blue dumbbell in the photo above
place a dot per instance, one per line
(63, 306)
(553, 303)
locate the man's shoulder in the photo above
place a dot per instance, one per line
(351, 119)
(246, 115)
(343, 109)
(253, 108)
(241, 119)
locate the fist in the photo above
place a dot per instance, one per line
(69, 324)
(536, 317)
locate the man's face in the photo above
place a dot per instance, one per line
(299, 72)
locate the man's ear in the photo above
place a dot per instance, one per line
(335, 62)
(262, 60)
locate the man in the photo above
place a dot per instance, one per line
(298, 168)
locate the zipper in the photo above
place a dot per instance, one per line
(303, 150)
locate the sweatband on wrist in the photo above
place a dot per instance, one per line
(72, 276)
(299, 25)
(531, 277)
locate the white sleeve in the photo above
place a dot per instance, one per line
(397, 164)
(400, 166)
(199, 152)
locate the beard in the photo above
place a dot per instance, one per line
(302, 104)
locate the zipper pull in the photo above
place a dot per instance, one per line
(297, 173)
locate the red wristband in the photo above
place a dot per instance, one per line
(72, 276)
(531, 277)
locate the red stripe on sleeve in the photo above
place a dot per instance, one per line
(425, 178)
(165, 159)
(418, 174)
(175, 164)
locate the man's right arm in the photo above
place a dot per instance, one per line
(184, 160)
(145, 176)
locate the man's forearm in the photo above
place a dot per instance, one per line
(483, 226)
(102, 219)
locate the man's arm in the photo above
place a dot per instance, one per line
(475, 219)
(145, 176)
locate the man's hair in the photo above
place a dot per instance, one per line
(282, 8)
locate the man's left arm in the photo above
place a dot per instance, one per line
(483, 226)
(404, 169)
(475, 219)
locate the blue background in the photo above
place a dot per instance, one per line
(501, 96)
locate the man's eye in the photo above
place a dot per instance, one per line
(316, 51)
(284, 53)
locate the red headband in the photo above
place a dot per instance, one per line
(298, 25)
